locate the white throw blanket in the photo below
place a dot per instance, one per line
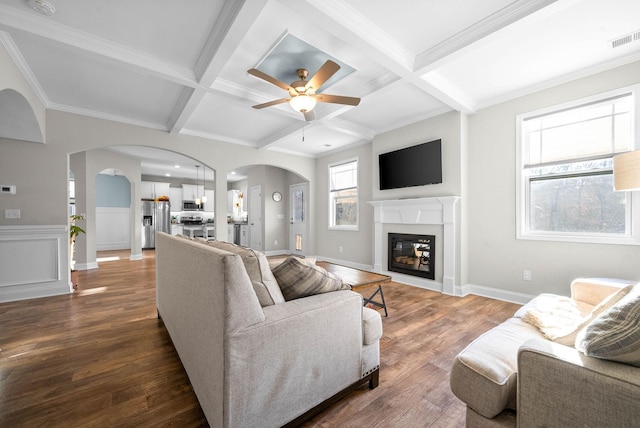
(555, 316)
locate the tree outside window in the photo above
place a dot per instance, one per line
(565, 168)
(343, 195)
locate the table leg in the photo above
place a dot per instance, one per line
(370, 301)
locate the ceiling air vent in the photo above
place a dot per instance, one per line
(631, 37)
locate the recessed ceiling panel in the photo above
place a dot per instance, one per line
(420, 25)
(396, 105)
(222, 115)
(545, 47)
(291, 53)
(171, 30)
(87, 82)
(315, 140)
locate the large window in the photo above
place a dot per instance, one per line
(565, 169)
(343, 195)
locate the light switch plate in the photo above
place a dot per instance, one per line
(11, 213)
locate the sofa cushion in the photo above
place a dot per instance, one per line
(371, 326)
(615, 333)
(484, 374)
(257, 266)
(300, 279)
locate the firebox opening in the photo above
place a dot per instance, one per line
(412, 254)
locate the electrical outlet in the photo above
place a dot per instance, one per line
(340, 248)
(526, 275)
(12, 213)
(275, 242)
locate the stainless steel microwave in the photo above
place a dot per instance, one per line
(191, 206)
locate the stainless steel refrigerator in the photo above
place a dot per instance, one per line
(156, 216)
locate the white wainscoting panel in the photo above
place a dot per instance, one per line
(113, 230)
(34, 262)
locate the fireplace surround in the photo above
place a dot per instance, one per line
(420, 211)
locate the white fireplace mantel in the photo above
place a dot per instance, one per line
(438, 211)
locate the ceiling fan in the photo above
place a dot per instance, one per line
(302, 92)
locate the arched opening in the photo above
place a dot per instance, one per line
(110, 185)
(17, 119)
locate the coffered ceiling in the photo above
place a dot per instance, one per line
(182, 66)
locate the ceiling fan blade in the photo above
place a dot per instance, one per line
(338, 99)
(327, 70)
(309, 115)
(272, 80)
(271, 103)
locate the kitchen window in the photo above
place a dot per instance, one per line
(565, 171)
(343, 195)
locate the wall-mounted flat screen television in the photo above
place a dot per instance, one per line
(412, 166)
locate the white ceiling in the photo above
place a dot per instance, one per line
(182, 66)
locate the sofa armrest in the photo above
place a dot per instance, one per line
(560, 386)
(595, 290)
(305, 351)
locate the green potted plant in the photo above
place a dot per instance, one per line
(74, 231)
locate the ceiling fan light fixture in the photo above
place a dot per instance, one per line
(302, 103)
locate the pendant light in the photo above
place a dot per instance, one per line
(204, 185)
(198, 201)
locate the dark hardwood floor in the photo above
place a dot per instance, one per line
(100, 357)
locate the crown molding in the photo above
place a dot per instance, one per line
(23, 67)
(504, 17)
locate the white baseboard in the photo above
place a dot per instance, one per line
(494, 293)
(86, 266)
(277, 253)
(347, 263)
(113, 246)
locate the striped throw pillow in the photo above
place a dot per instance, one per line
(299, 279)
(615, 334)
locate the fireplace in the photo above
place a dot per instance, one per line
(412, 254)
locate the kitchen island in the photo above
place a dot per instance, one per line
(205, 230)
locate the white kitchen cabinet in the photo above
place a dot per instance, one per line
(231, 235)
(176, 229)
(175, 197)
(210, 204)
(190, 192)
(244, 235)
(152, 189)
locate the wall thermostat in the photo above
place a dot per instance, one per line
(8, 189)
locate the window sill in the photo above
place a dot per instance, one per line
(581, 238)
(344, 228)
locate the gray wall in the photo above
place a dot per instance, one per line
(496, 257)
(357, 246)
(275, 214)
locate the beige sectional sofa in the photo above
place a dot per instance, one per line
(254, 359)
(532, 371)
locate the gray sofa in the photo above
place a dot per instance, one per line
(514, 376)
(254, 359)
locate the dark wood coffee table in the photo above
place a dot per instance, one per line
(360, 278)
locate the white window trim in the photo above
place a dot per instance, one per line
(632, 235)
(347, 228)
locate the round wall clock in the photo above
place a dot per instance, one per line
(277, 196)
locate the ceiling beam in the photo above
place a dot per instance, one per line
(462, 41)
(350, 26)
(232, 25)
